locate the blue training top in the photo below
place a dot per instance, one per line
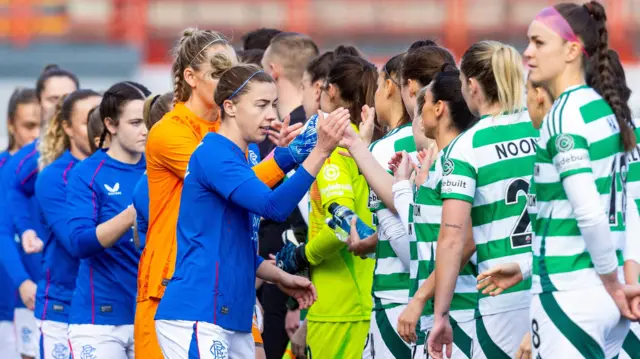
(18, 205)
(100, 187)
(7, 289)
(60, 268)
(141, 204)
(220, 209)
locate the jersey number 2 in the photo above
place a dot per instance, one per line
(521, 234)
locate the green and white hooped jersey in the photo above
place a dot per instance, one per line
(578, 135)
(633, 177)
(391, 278)
(427, 214)
(490, 166)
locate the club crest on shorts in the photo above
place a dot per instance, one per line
(88, 352)
(564, 143)
(26, 335)
(60, 351)
(218, 350)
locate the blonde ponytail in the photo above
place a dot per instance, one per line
(506, 63)
(55, 141)
(498, 69)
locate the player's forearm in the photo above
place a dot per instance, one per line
(268, 272)
(428, 289)
(325, 244)
(631, 272)
(377, 177)
(109, 232)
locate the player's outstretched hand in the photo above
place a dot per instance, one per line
(408, 320)
(426, 157)
(368, 124)
(30, 242)
(331, 129)
(282, 133)
(402, 166)
(524, 350)
(499, 278)
(299, 288)
(440, 341)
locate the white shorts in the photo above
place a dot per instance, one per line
(26, 332)
(92, 341)
(383, 340)
(631, 344)
(8, 348)
(576, 324)
(180, 339)
(499, 335)
(53, 339)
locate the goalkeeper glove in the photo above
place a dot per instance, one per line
(298, 150)
(292, 259)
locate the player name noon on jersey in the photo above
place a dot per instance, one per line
(515, 148)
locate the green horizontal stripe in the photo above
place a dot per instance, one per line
(394, 281)
(497, 134)
(498, 249)
(464, 301)
(546, 192)
(490, 212)
(405, 144)
(595, 110)
(557, 227)
(428, 196)
(606, 147)
(506, 169)
(634, 172)
(566, 174)
(426, 232)
(542, 156)
(424, 269)
(461, 197)
(566, 264)
(413, 250)
(384, 250)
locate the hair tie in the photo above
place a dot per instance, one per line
(244, 84)
(444, 67)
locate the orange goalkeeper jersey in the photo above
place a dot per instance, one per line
(169, 146)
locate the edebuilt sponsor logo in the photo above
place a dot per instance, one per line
(337, 189)
(448, 185)
(572, 160)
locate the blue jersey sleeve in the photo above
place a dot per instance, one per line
(141, 204)
(83, 217)
(19, 193)
(51, 196)
(232, 178)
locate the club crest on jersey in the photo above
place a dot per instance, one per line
(564, 143)
(331, 172)
(60, 351)
(253, 158)
(447, 167)
(218, 350)
(113, 191)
